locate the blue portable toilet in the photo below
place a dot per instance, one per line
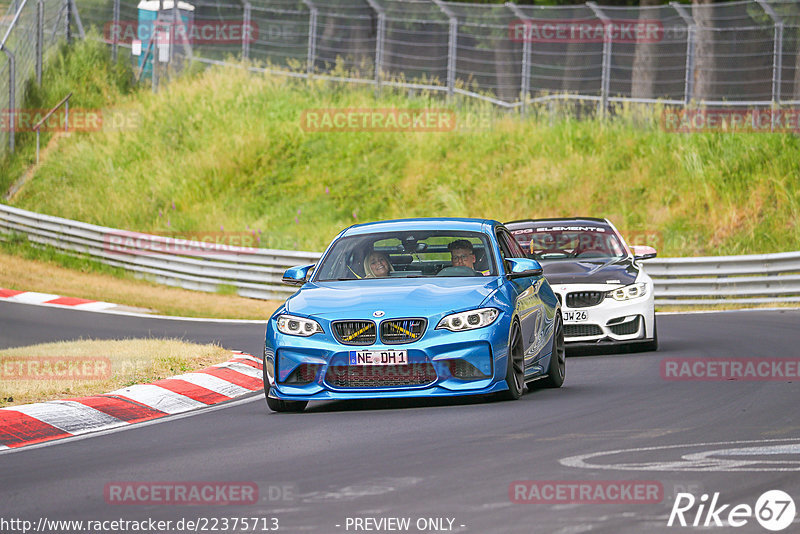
(148, 14)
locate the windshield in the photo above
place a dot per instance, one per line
(559, 242)
(407, 255)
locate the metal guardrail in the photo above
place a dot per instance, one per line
(256, 273)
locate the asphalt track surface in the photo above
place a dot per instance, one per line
(447, 459)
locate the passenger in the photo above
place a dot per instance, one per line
(377, 265)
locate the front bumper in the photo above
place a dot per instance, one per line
(456, 363)
(609, 322)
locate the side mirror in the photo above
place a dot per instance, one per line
(522, 267)
(296, 276)
(641, 252)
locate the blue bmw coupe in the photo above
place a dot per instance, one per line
(414, 308)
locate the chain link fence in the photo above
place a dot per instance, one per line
(29, 30)
(744, 53)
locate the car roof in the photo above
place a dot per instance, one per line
(586, 221)
(426, 223)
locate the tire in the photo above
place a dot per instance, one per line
(651, 345)
(515, 370)
(557, 370)
(278, 405)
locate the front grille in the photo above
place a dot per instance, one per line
(621, 329)
(584, 299)
(379, 376)
(303, 374)
(581, 330)
(354, 332)
(396, 331)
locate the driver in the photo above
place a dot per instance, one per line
(462, 254)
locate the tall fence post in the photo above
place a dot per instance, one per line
(116, 28)
(68, 22)
(452, 44)
(526, 57)
(39, 40)
(246, 33)
(12, 82)
(688, 82)
(605, 77)
(379, 39)
(311, 57)
(777, 54)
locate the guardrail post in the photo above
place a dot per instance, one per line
(39, 40)
(246, 17)
(311, 59)
(605, 77)
(526, 58)
(379, 39)
(452, 46)
(688, 83)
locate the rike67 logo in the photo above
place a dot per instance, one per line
(774, 510)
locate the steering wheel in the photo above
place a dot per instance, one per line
(458, 271)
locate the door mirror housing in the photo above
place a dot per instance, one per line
(522, 267)
(641, 252)
(297, 276)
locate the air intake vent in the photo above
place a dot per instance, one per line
(380, 376)
(622, 329)
(581, 330)
(354, 332)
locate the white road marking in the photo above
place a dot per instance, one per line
(707, 460)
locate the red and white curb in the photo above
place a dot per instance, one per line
(31, 297)
(28, 424)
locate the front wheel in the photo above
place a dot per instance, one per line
(515, 370)
(278, 405)
(557, 369)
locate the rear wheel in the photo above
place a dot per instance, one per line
(515, 370)
(278, 405)
(557, 369)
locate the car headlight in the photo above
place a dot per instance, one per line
(629, 292)
(469, 320)
(298, 326)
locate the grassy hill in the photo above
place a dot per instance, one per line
(225, 149)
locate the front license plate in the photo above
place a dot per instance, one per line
(378, 357)
(575, 316)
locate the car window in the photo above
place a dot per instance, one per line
(513, 246)
(408, 254)
(561, 241)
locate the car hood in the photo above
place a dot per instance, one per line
(615, 272)
(396, 297)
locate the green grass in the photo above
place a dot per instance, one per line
(85, 70)
(223, 150)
